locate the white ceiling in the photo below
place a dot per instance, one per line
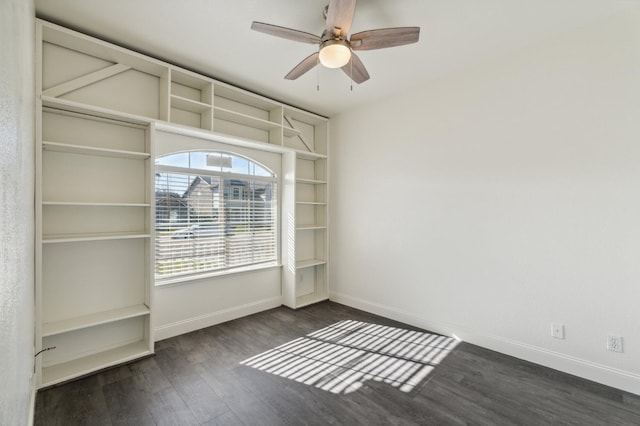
(213, 37)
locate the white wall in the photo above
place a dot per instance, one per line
(503, 198)
(16, 208)
(193, 305)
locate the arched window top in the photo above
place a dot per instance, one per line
(215, 161)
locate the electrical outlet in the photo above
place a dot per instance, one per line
(557, 330)
(614, 343)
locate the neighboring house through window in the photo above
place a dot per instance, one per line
(215, 211)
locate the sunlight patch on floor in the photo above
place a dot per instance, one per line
(341, 357)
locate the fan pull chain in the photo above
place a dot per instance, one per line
(318, 75)
(351, 73)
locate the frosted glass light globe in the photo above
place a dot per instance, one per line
(335, 53)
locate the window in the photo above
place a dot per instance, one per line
(215, 211)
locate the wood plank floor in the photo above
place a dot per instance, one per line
(197, 379)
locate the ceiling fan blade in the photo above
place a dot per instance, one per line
(304, 66)
(384, 37)
(356, 70)
(284, 32)
(340, 15)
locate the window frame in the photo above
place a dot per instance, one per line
(274, 179)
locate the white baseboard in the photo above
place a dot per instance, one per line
(624, 380)
(196, 323)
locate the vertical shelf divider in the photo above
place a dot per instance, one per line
(207, 115)
(288, 228)
(276, 134)
(165, 95)
(149, 218)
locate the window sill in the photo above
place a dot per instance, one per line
(191, 278)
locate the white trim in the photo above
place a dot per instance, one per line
(32, 403)
(189, 278)
(85, 80)
(620, 379)
(177, 129)
(207, 320)
(213, 173)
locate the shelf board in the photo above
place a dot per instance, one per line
(89, 150)
(72, 238)
(309, 155)
(85, 204)
(310, 227)
(311, 203)
(85, 321)
(79, 367)
(78, 107)
(189, 104)
(309, 262)
(311, 181)
(245, 120)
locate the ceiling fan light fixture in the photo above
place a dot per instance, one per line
(335, 53)
(334, 48)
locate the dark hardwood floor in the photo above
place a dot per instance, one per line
(198, 379)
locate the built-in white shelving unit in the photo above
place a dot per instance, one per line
(190, 99)
(95, 216)
(310, 148)
(98, 107)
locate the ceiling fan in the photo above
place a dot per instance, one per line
(336, 49)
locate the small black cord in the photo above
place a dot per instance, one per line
(44, 350)
(351, 73)
(318, 75)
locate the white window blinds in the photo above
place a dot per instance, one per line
(217, 213)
